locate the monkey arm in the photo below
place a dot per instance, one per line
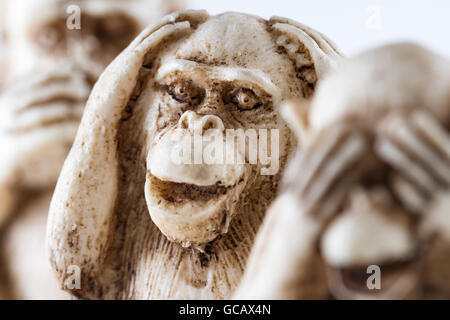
(81, 214)
(284, 263)
(418, 147)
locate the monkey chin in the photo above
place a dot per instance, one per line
(190, 214)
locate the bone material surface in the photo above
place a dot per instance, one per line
(141, 226)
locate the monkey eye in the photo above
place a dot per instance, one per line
(245, 99)
(186, 92)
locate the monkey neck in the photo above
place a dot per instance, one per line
(142, 264)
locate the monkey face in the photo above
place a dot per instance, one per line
(88, 34)
(218, 87)
(98, 40)
(199, 87)
(190, 75)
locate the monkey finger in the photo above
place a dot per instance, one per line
(322, 62)
(50, 114)
(411, 197)
(318, 152)
(67, 91)
(396, 157)
(413, 141)
(337, 167)
(436, 134)
(323, 42)
(187, 15)
(156, 37)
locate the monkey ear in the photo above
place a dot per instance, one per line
(295, 113)
(324, 53)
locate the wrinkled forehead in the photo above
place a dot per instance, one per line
(231, 39)
(232, 44)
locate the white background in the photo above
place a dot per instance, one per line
(355, 25)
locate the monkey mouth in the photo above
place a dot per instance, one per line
(393, 280)
(190, 214)
(178, 193)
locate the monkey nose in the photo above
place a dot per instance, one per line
(200, 123)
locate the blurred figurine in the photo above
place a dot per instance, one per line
(89, 34)
(55, 50)
(364, 212)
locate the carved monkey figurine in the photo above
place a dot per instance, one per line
(139, 225)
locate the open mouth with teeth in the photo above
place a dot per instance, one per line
(393, 280)
(190, 214)
(179, 193)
